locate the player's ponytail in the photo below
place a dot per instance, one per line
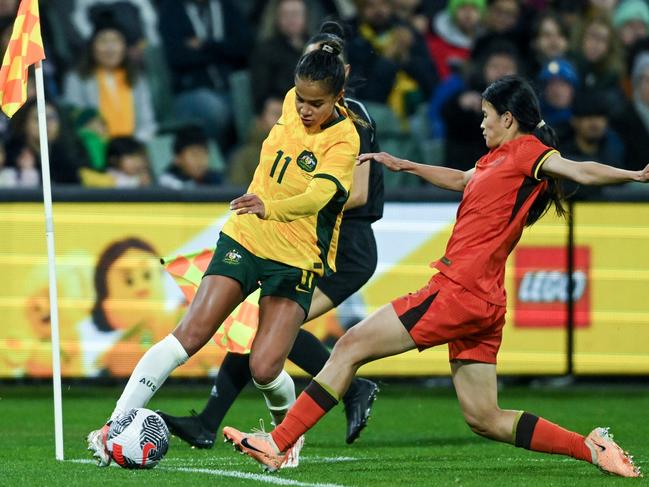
(515, 95)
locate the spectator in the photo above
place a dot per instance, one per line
(137, 18)
(605, 7)
(60, 35)
(502, 23)
(246, 159)
(558, 82)
(591, 138)
(190, 167)
(273, 61)
(412, 12)
(454, 31)
(549, 41)
(108, 81)
(93, 135)
(391, 57)
(569, 12)
(318, 10)
(462, 113)
(503, 16)
(631, 20)
(633, 123)
(128, 165)
(8, 9)
(598, 58)
(24, 152)
(204, 40)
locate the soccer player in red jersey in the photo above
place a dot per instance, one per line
(463, 304)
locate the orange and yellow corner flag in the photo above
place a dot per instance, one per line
(25, 48)
(238, 330)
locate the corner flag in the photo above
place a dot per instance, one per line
(25, 48)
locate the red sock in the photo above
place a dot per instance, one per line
(538, 434)
(309, 407)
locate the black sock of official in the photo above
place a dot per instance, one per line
(308, 353)
(233, 376)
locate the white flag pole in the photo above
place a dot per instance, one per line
(49, 235)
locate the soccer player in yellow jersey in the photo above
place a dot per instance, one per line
(282, 237)
(356, 262)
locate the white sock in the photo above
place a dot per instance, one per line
(279, 395)
(150, 373)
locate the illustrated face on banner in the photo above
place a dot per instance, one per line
(74, 292)
(135, 293)
(37, 312)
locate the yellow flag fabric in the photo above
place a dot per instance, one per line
(25, 48)
(238, 330)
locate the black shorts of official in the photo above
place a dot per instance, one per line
(356, 260)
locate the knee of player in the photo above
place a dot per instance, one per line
(481, 423)
(264, 371)
(193, 332)
(348, 348)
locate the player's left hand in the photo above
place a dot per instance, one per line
(249, 204)
(643, 176)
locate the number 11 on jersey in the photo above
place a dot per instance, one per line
(287, 160)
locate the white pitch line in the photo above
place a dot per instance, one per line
(233, 474)
(250, 476)
(232, 460)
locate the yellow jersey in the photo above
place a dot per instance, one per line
(304, 178)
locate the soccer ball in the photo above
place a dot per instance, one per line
(138, 439)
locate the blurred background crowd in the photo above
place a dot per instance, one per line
(181, 93)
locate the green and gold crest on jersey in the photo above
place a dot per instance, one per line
(307, 161)
(232, 257)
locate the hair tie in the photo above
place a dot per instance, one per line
(540, 124)
(327, 48)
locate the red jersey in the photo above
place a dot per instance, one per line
(492, 215)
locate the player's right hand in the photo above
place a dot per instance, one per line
(643, 176)
(249, 203)
(388, 160)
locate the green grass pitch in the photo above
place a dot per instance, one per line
(416, 437)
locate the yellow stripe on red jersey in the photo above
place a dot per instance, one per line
(292, 161)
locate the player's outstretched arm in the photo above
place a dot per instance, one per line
(591, 173)
(443, 177)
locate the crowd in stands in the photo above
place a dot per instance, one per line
(181, 93)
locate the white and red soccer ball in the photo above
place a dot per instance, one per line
(138, 439)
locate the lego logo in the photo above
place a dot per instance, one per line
(550, 286)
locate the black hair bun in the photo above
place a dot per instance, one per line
(332, 27)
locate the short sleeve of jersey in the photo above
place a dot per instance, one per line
(530, 156)
(339, 161)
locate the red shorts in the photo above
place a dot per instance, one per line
(445, 312)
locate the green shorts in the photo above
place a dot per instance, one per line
(231, 259)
